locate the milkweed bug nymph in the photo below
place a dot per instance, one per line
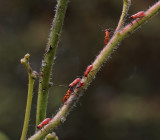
(43, 123)
(106, 38)
(75, 82)
(88, 70)
(65, 98)
(138, 15)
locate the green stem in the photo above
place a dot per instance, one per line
(126, 5)
(101, 58)
(51, 136)
(48, 60)
(28, 107)
(32, 76)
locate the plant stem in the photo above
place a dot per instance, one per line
(48, 60)
(126, 5)
(101, 58)
(51, 136)
(28, 107)
(120, 35)
(32, 76)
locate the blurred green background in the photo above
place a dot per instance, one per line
(122, 103)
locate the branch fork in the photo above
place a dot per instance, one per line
(120, 33)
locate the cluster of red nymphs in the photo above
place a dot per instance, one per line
(135, 16)
(76, 83)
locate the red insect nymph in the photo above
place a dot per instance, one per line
(43, 123)
(75, 82)
(138, 15)
(88, 70)
(65, 98)
(106, 38)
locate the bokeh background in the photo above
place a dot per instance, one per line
(122, 103)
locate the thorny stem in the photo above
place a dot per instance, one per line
(32, 76)
(101, 58)
(126, 5)
(48, 60)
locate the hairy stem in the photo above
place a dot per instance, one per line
(126, 5)
(120, 35)
(101, 58)
(32, 76)
(48, 60)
